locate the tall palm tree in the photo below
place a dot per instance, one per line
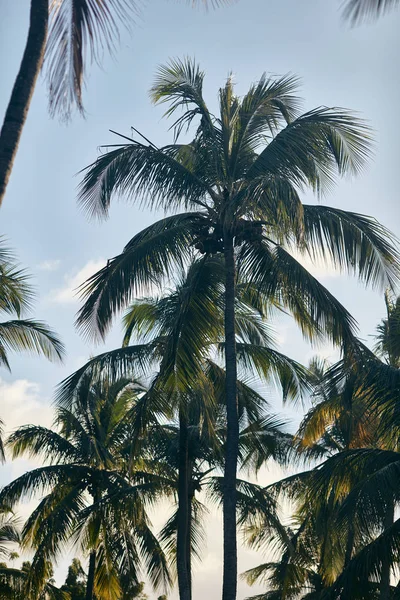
(19, 334)
(63, 36)
(358, 10)
(88, 459)
(176, 336)
(187, 327)
(239, 180)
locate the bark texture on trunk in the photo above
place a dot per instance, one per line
(232, 438)
(183, 509)
(91, 573)
(384, 585)
(22, 91)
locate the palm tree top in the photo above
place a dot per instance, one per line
(242, 173)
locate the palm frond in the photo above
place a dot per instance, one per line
(355, 243)
(112, 365)
(80, 30)
(147, 260)
(30, 335)
(161, 177)
(278, 274)
(40, 441)
(315, 146)
(357, 11)
(270, 364)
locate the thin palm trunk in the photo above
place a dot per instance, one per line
(232, 438)
(183, 509)
(23, 89)
(189, 530)
(384, 586)
(91, 574)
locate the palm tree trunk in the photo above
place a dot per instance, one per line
(229, 589)
(91, 573)
(189, 530)
(384, 586)
(183, 509)
(22, 92)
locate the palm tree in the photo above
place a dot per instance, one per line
(341, 421)
(239, 180)
(359, 406)
(62, 35)
(358, 10)
(15, 298)
(177, 335)
(13, 584)
(88, 459)
(185, 327)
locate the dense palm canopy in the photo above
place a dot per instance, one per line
(346, 506)
(239, 180)
(88, 457)
(179, 336)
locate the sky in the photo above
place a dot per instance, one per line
(338, 66)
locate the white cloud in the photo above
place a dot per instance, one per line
(49, 265)
(21, 403)
(68, 293)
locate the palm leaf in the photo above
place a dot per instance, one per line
(146, 261)
(34, 336)
(353, 242)
(79, 30)
(357, 10)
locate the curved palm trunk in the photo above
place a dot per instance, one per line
(232, 438)
(183, 510)
(91, 574)
(384, 586)
(22, 92)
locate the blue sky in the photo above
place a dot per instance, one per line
(338, 66)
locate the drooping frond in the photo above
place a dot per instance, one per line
(278, 274)
(39, 480)
(112, 365)
(16, 293)
(146, 261)
(270, 364)
(39, 441)
(80, 31)
(354, 243)
(30, 335)
(161, 177)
